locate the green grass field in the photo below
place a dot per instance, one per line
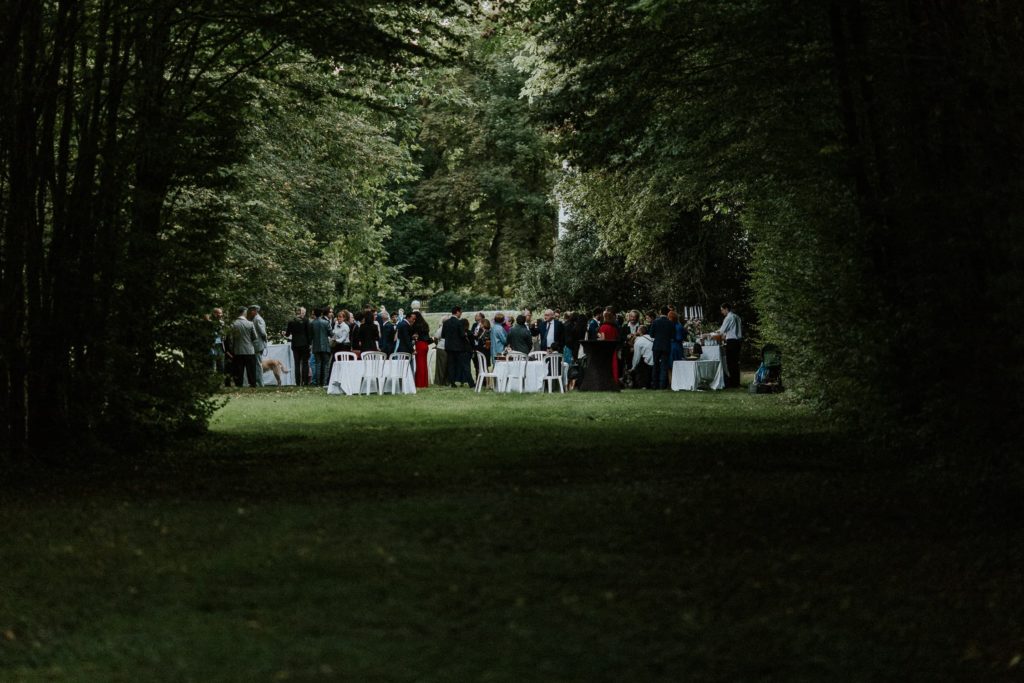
(453, 537)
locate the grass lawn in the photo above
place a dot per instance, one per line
(453, 537)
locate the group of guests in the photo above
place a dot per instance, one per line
(648, 343)
(316, 339)
(237, 351)
(653, 346)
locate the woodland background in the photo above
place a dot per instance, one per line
(848, 172)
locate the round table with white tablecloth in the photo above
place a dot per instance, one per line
(535, 371)
(691, 375)
(347, 378)
(283, 353)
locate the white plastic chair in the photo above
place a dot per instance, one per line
(537, 355)
(481, 371)
(516, 370)
(554, 374)
(345, 356)
(397, 368)
(373, 371)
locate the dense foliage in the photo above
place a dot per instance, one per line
(857, 143)
(483, 202)
(848, 172)
(309, 203)
(684, 256)
(118, 125)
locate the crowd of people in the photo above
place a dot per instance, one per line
(237, 350)
(647, 343)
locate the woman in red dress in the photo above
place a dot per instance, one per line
(421, 333)
(609, 331)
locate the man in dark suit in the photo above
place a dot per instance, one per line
(388, 331)
(455, 344)
(595, 324)
(320, 339)
(300, 334)
(662, 331)
(551, 332)
(403, 334)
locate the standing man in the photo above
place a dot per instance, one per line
(595, 323)
(456, 345)
(242, 341)
(519, 337)
(321, 343)
(662, 331)
(403, 335)
(300, 334)
(643, 358)
(551, 332)
(387, 335)
(218, 351)
(261, 336)
(732, 330)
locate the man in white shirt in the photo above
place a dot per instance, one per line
(732, 330)
(643, 358)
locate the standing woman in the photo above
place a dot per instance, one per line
(582, 327)
(572, 345)
(440, 355)
(421, 336)
(485, 339)
(677, 342)
(341, 337)
(369, 332)
(678, 337)
(475, 331)
(609, 331)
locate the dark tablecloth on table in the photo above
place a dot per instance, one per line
(599, 375)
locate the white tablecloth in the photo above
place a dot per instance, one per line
(688, 375)
(431, 363)
(347, 376)
(535, 371)
(716, 353)
(711, 353)
(283, 353)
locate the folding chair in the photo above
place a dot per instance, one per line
(396, 372)
(516, 370)
(554, 374)
(481, 371)
(373, 371)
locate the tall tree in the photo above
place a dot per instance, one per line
(857, 142)
(109, 108)
(308, 207)
(484, 201)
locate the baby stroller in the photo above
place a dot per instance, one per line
(768, 378)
